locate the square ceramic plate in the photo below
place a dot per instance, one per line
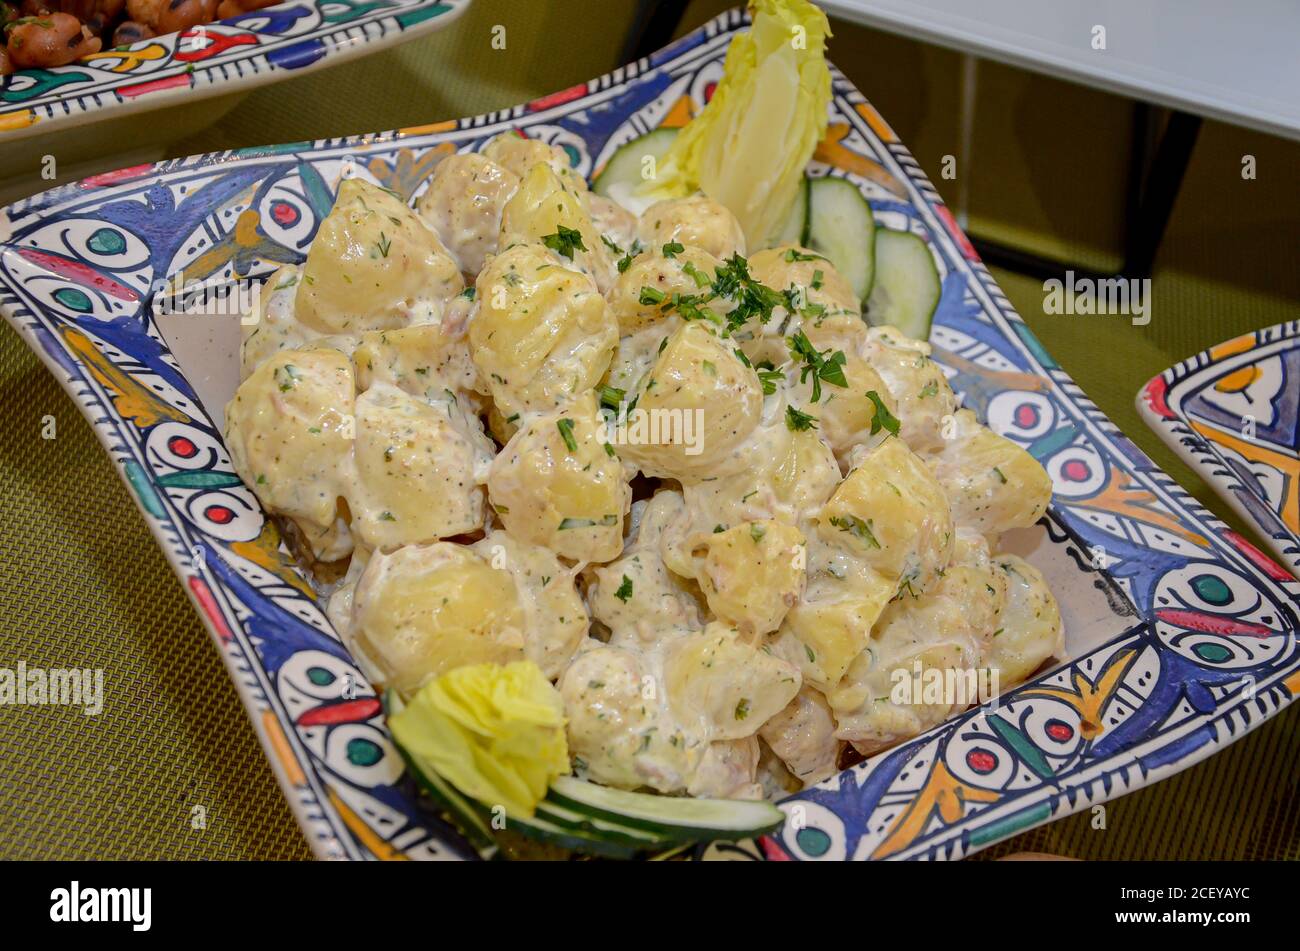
(1233, 412)
(1182, 636)
(239, 53)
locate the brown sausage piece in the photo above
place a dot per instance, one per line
(53, 40)
(131, 32)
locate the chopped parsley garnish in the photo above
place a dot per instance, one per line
(672, 248)
(752, 298)
(565, 426)
(626, 260)
(905, 587)
(930, 389)
(742, 708)
(611, 397)
(699, 277)
(651, 296)
(692, 307)
(794, 254)
(856, 527)
(624, 592)
(769, 376)
(816, 365)
(798, 421)
(292, 376)
(757, 531)
(998, 472)
(832, 369)
(813, 312)
(883, 418)
(387, 516)
(565, 241)
(801, 348)
(610, 244)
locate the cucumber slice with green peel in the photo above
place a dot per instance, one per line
(575, 840)
(841, 227)
(625, 170)
(584, 817)
(795, 230)
(605, 829)
(552, 823)
(677, 819)
(907, 284)
(463, 811)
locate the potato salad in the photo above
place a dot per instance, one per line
(715, 507)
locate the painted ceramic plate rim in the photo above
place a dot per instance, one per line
(1177, 432)
(222, 73)
(1149, 756)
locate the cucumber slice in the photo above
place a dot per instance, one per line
(622, 174)
(575, 840)
(795, 230)
(584, 817)
(552, 823)
(841, 227)
(604, 829)
(907, 284)
(676, 819)
(462, 811)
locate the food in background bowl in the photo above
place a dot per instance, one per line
(41, 35)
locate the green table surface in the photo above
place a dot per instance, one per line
(83, 584)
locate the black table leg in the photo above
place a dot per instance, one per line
(1028, 263)
(1152, 195)
(653, 26)
(1155, 175)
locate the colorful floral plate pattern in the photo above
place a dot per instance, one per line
(1188, 633)
(239, 53)
(1233, 412)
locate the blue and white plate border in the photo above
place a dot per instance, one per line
(1168, 702)
(1161, 405)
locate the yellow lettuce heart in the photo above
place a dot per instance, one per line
(748, 147)
(495, 732)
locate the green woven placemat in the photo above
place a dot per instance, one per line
(170, 767)
(82, 583)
